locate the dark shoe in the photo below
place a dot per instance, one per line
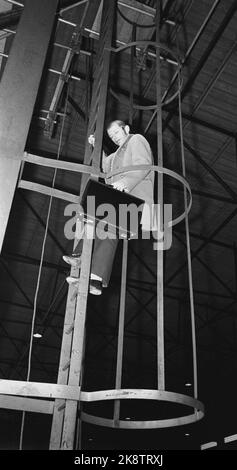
(74, 261)
(95, 287)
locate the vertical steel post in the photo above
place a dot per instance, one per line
(118, 381)
(160, 253)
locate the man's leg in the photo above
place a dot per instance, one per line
(101, 264)
(75, 258)
(102, 258)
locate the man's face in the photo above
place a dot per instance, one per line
(117, 134)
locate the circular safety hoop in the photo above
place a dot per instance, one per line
(132, 23)
(145, 394)
(169, 53)
(164, 171)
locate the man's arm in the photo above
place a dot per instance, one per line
(141, 155)
(105, 162)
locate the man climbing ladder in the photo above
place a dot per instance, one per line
(133, 149)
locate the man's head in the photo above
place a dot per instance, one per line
(118, 132)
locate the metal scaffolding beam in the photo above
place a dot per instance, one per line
(187, 55)
(217, 35)
(207, 90)
(206, 195)
(214, 233)
(213, 273)
(41, 221)
(186, 116)
(198, 236)
(197, 69)
(205, 165)
(10, 256)
(4, 264)
(64, 74)
(208, 125)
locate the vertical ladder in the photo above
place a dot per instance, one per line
(70, 368)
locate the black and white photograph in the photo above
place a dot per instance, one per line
(118, 223)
